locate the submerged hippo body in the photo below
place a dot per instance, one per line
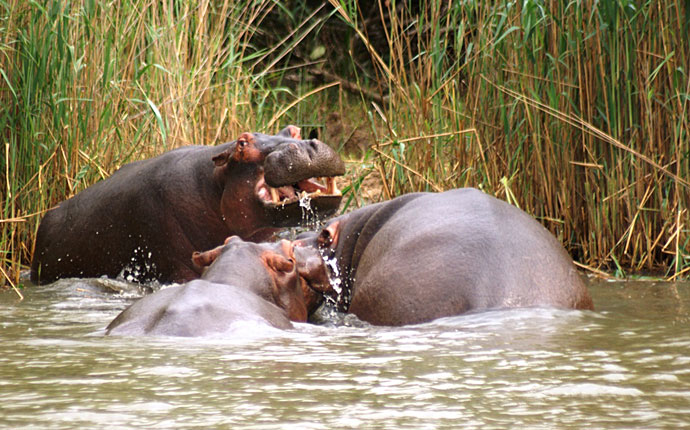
(246, 282)
(145, 220)
(424, 256)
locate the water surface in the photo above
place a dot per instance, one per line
(625, 365)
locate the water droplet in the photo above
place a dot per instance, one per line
(309, 218)
(334, 277)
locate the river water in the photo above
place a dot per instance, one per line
(624, 366)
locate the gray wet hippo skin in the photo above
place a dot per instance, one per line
(424, 256)
(245, 282)
(145, 220)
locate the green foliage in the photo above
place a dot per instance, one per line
(584, 106)
(90, 85)
(578, 112)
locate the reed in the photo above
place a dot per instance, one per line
(88, 86)
(577, 112)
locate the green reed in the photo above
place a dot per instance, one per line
(578, 112)
(89, 85)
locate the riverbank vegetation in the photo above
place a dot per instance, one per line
(577, 112)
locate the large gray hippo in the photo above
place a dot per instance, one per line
(428, 255)
(145, 220)
(269, 283)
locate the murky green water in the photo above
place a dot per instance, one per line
(626, 365)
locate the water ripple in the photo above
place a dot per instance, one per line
(624, 366)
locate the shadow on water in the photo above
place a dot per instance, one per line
(645, 300)
(624, 365)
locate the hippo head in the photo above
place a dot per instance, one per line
(292, 278)
(266, 180)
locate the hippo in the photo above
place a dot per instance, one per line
(244, 282)
(143, 222)
(423, 256)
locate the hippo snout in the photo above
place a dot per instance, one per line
(298, 160)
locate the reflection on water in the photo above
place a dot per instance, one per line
(626, 365)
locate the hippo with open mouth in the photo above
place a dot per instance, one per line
(144, 221)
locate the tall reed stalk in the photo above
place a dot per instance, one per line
(88, 85)
(578, 112)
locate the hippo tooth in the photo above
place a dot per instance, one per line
(331, 187)
(274, 195)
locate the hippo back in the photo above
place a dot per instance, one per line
(198, 308)
(124, 222)
(459, 251)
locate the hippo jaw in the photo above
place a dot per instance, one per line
(299, 176)
(286, 203)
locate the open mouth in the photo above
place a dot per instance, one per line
(287, 194)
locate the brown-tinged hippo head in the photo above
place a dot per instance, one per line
(263, 177)
(294, 278)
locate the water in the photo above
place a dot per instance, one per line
(310, 219)
(626, 365)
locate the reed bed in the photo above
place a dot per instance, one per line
(88, 86)
(577, 112)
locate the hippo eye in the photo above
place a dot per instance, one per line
(241, 143)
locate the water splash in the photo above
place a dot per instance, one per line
(140, 268)
(333, 273)
(309, 217)
(341, 298)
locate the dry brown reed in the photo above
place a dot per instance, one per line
(577, 112)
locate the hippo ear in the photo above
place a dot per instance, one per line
(204, 259)
(222, 158)
(290, 131)
(328, 238)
